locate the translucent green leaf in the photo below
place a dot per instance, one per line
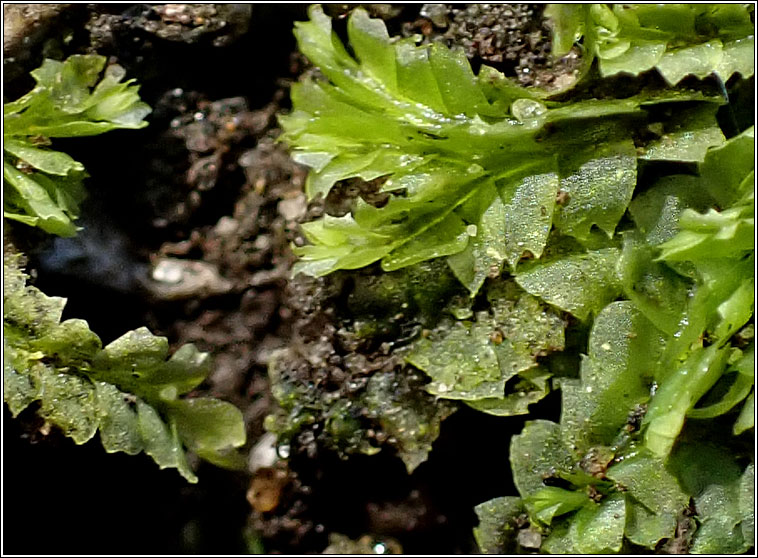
(746, 418)
(726, 233)
(19, 390)
(161, 442)
(745, 365)
(137, 362)
(209, 427)
(37, 201)
(568, 26)
(538, 452)
(713, 478)
(580, 283)
(657, 498)
(34, 310)
(371, 44)
(415, 76)
(67, 191)
(463, 365)
(657, 291)
(599, 189)
(687, 136)
(645, 528)
(639, 57)
(656, 211)
(46, 160)
(698, 60)
(678, 39)
(737, 57)
(485, 252)
(63, 104)
(678, 394)
(600, 528)
(529, 328)
(746, 500)
(594, 529)
(68, 401)
(68, 343)
(725, 168)
(119, 429)
(528, 209)
(447, 237)
(497, 531)
(738, 391)
(527, 388)
(615, 377)
(25, 219)
(441, 137)
(493, 350)
(456, 82)
(118, 390)
(550, 501)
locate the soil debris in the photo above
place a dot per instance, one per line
(513, 38)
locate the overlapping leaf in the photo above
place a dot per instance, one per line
(677, 39)
(490, 363)
(127, 391)
(43, 187)
(489, 176)
(472, 169)
(647, 366)
(584, 484)
(719, 246)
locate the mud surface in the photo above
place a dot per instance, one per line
(187, 230)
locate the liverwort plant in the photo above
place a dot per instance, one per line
(678, 40)
(43, 187)
(128, 391)
(544, 207)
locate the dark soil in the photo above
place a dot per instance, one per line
(206, 191)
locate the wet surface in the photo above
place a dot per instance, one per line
(187, 230)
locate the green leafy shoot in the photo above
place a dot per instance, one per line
(128, 391)
(536, 204)
(676, 39)
(472, 168)
(586, 484)
(718, 247)
(43, 187)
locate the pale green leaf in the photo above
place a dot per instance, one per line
(536, 453)
(687, 136)
(746, 418)
(160, 442)
(581, 284)
(119, 428)
(599, 187)
(68, 401)
(46, 160)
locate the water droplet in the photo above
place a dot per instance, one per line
(283, 451)
(527, 109)
(380, 548)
